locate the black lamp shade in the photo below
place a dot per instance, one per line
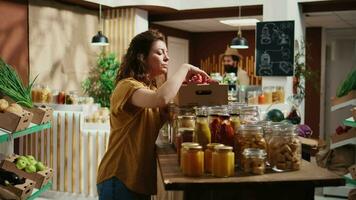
(100, 40)
(239, 43)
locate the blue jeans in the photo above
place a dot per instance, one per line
(114, 189)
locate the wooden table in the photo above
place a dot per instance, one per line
(297, 185)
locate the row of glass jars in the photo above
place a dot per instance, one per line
(268, 95)
(214, 124)
(276, 141)
(217, 160)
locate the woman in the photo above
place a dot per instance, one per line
(128, 168)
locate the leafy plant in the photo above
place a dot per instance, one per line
(12, 86)
(347, 85)
(101, 80)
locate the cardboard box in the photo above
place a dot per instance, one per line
(338, 100)
(202, 95)
(14, 122)
(20, 191)
(344, 136)
(41, 114)
(41, 178)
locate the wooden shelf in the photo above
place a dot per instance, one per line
(343, 142)
(33, 128)
(37, 192)
(349, 122)
(348, 100)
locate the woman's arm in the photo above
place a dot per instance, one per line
(163, 95)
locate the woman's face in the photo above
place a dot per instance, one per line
(157, 59)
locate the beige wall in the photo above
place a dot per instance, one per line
(59, 43)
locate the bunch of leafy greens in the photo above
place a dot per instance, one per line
(101, 80)
(347, 85)
(12, 86)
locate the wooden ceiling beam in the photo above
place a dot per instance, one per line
(207, 13)
(328, 6)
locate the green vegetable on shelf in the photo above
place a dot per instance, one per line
(11, 85)
(347, 85)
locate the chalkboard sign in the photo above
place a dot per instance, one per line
(275, 48)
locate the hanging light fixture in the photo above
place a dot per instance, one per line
(100, 39)
(239, 42)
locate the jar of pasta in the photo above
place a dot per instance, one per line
(249, 115)
(193, 161)
(253, 161)
(249, 136)
(280, 93)
(208, 156)
(223, 162)
(284, 148)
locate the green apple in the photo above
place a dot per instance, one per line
(30, 169)
(21, 164)
(31, 160)
(39, 166)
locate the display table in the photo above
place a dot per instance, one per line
(287, 185)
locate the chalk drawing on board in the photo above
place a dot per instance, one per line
(274, 46)
(285, 67)
(265, 36)
(266, 65)
(284, 39)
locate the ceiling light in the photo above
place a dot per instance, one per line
(240, 22)
(239, 42)
(100, 39)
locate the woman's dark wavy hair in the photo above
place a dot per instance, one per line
(133, 64)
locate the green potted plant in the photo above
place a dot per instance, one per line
(101, 80)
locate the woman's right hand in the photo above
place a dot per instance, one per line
(192, 70)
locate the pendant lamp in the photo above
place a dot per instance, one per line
(100, 39)
(239, 42)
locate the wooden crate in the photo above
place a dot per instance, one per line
(41, 178)
(202, 95)
(20, 191)
(14, 122)
(41, 114)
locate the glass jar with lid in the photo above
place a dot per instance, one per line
(202, 133)
(253, 161)
(249, 115)
(193, 161)
(284, 148)
(234, 111)
(208, 156)
(186, 121)
(249, 136)
(217, 77)
(72, 97)
(252, 97)
(223, 162)
(182, 148)
(220, 125)
(280, 93)
(267, 93)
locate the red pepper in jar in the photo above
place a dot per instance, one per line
(61, 97)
